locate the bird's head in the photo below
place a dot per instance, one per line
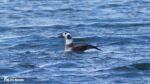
(65, 35)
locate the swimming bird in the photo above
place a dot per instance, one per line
(70, 46)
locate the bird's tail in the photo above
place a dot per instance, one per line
(97, 48)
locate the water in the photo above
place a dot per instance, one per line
(30, 48)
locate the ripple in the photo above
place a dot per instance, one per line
(124, 24)
(29, 46)
(26, 66)
(7, 71)
(65, 65)
(134, 67)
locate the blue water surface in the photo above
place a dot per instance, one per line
(30, 47)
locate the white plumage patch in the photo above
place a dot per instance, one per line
(91, 50)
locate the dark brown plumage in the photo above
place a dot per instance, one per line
(82, 47)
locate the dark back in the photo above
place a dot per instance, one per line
(81, 48)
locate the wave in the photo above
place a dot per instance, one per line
(133, 67)
(7, 71)
(26, 66)
(123, 24)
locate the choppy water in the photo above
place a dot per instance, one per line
(30, 49)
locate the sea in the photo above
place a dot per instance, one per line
(32, 53)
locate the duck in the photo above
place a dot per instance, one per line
(72, 47)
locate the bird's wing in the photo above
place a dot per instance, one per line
(82, 47)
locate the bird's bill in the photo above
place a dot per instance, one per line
(60, 35)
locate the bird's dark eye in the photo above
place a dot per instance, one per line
(69, 37)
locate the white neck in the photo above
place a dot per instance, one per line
(68, 41)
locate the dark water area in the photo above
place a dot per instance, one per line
(30, 47)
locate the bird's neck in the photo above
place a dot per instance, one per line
(68, 42)
(68, 45)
